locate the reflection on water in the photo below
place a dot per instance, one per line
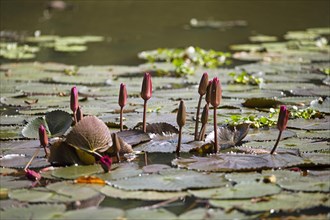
(132, 26)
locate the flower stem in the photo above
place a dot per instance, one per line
(144, 116)
(277, 141)
(216, 147)
(202, 133)
(178, 148)
(197, 117)
(121, 118)
(30, 161)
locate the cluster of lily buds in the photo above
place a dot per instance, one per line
(202, 89)
(282, 122)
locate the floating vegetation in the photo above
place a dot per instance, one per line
(245, 78)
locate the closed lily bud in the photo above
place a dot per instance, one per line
(122, 100)
(74, 99)
(202, 89)
(205, 114)
(181, 116)
(216, 92)
(80, 114)
(106, 162)
(208, 92)
(32, 175)
(283, 118)
(146, 90)
(43, 137)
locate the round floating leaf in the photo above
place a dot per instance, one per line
(239, 162)
(261, 103)
(90, 134)
(321, 105)
(155, 168)
(33, 212)
(140, 195)
(270, 134)
(171, 180)
(74, 172)
(6, 171)
(11, 182)
(201, 213)
(288, 202)
(145, 213)
(310, 124)
(93, 213)
(20, 161)
(121, 171)
(239, 191)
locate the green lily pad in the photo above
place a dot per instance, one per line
(33, 212)
(270, 134)
(288, 202)
(20, 161)
(11, 182)
(261, 103)
(74, 172)
(239, 191)
(93, 213)
(121, 171)
(321, 105)
(6, 171)
(171, 180)
(310, 124)
(262, 38)
(140, 195)
(145, 213)
(202, 213)
(10, 133)
(56, 122)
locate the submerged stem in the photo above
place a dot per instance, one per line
(121, 118)
(144, 116)
(216, 147)
(277, 141)
(197, 117)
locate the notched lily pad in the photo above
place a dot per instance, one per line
(261, 103)
(74, 172)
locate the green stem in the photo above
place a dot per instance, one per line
(277, 141)
(178, 148)
(121, 118)
(197, 117)
(144, 116)
(216, 147)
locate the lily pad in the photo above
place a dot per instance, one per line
(288, 202)
(33, 212)
(121, 171)
(56, 122)
(268, 134)
(145, 213)
(93, 213)
(74, 172)
(20, 161)
(171, 180)
(202, 213)
(239, 191)
(310, 124)
(321, 105)
(140, 195)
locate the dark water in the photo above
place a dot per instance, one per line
(132, 26)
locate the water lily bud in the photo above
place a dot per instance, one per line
(32, 175)
(80, 114)
(122, 95)
(202, 89)
(208, 92)
(216, 92)
(181, 116)
(205, 114)
(146, 90)
(43, 137)
(283, 118)
(74, 99)
(106, 162)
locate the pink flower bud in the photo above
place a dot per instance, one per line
(146, 90)
(208, 92)
(122, 100)
(106, 162)
(202, 89)
(74, 99)
(216, 92)
(283, 118)
(32, 175)
(43, 136)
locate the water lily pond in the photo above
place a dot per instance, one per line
(57, 162)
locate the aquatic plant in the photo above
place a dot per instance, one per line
(282, 121)
(74, 102)
(43, 137)
(122, 100)
(146, 92)
(202, 89)
(216, 95)
(181, 121)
